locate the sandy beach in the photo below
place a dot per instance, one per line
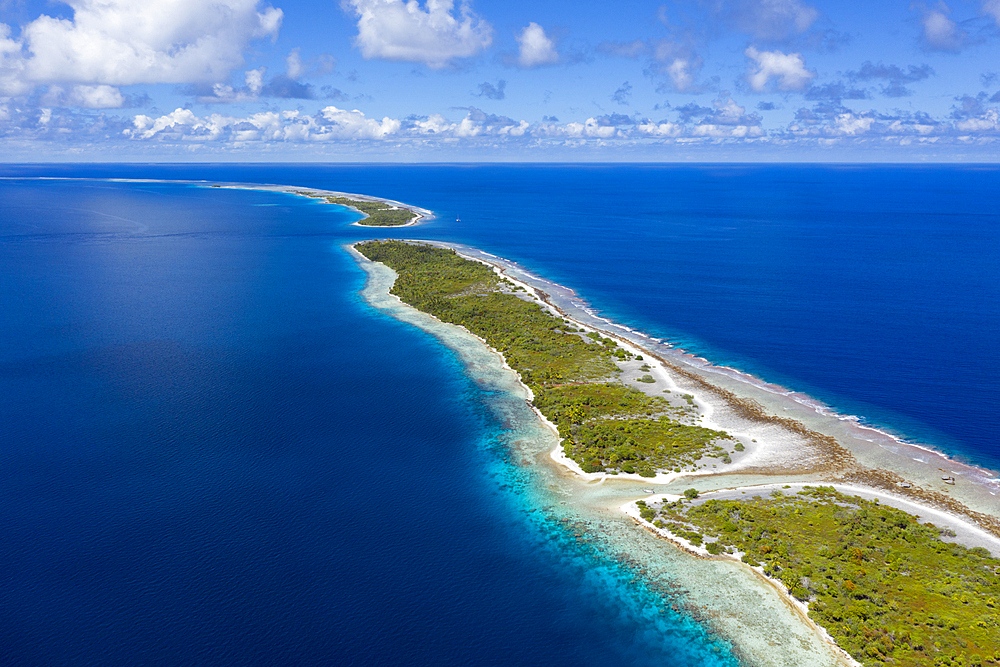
(422, 214)
(789, 441)
(785, 434)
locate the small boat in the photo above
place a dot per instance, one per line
(648, 491)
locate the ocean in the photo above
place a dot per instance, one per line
(216, 452)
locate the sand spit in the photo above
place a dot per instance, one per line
(788, 437)
(422, 215)
(761, 622)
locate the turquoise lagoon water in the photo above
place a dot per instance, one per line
(216, 452)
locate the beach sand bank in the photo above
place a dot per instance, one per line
(758, 621)
(422, 215)
(788, 436)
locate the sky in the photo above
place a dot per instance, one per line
(500, 80)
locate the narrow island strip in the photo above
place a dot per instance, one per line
(886, 588)
(377, 212)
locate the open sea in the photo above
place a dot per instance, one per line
(213, 451)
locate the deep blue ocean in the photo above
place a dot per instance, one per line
(214, 452)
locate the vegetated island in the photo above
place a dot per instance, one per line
(888, 589)
(377, 213)
(605, 424)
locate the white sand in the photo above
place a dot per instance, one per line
(755, 630)
(422, 214)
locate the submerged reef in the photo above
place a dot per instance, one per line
(887, 588)
(605, 424)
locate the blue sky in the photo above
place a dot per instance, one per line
(436, 80)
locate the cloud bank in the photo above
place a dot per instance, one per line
(434, 35)
(110, 43)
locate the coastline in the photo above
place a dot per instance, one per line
(759, 624)
(781, 450)
(786, 434)
(422, 214)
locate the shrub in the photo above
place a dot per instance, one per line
(691, 493)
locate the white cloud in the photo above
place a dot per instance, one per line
(123, 42)
(407, 32)
(664, 129)
(728, 131)
(681, 74)
(989, 121)
(86, 97)
(344, 124)
(590, 128)
(293, 64)
(328, 124)
(677, 64)
(536, 48)
(11, 64)
(434, 124)
(254, 79)
(850, 124)
(940, 33)
(96, 97)
(789, 70)
(727, 111)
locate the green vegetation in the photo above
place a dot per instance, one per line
(379, 214)
(605, 425)
(886, 587)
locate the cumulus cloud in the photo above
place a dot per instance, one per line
(832, 123)
(293, 64)
(85, 97)
(255, 87)
(724, 119)
(434, 34)
(117, 42)
(96, 97)
(989, 121)
(328, 124)
(110, 43)
(535, 48)
(477, 123)
(676, 66)
(673, 64)
(789, 70)
(725, 111)
(940, 33)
